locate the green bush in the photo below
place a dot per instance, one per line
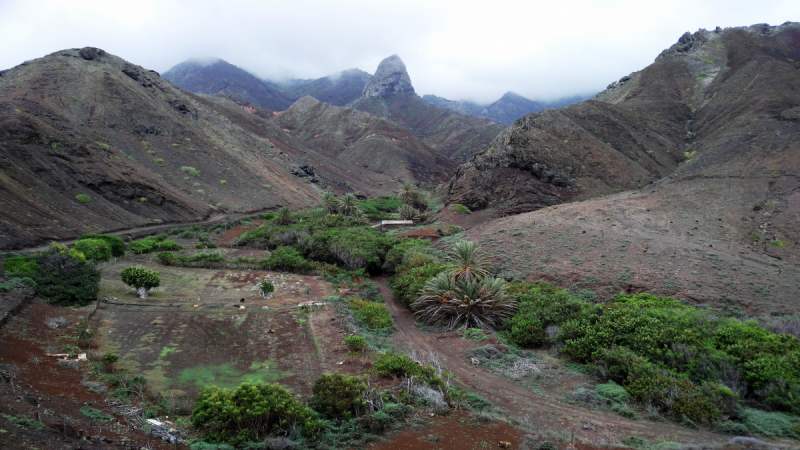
(624, 411)
(396, 365)
(166, 258)
(772, 425)
(678, 397)
(265, 287)
(403, 366)
(613, 392)
(153, 244)
(95, 249)
(374, 315)
(65, 281)
(252, 412)
(83, 198)
(395, 256)
(355, 343)
(407, 285)
(288, 259)
(381, 207)
(338, 396)
(22, 266)
(116, 243)
(459, 208)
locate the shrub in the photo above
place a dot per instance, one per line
(624, 411)
(223, 182)
(288, 259)
(395, 256)
(83, 198)
(679, 397)
(153, 244)
(265, 288)
(24, 421)
(16, 283)
(116, 243)
(613, 392)
(166, 258)
(355, 343)
(459, 208)
(251, 413)
(141, 279)
(64, 281)
(95, 414)
(338, 396)
(22, 266)
(396, 365)
(189, 170)
(96, 249)
(374, 315)
(408, 284)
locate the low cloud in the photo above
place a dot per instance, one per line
(454, 49)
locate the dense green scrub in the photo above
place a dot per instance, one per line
(329, 239)
(689, 363)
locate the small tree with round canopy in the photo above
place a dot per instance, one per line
(141, 279)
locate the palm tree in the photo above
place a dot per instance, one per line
(358, 216)
(284, 216)
(446, 301)
(330, 202)
(407, 212)
(318, 213)
(348, 203)
(407, 192)
(468, 262)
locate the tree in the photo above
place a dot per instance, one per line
(65, 281)
(460, 303)
(467, 262)
(407, 212)
(348, 203)
(284, 216)
(141, 279)
(330, 202)
(358, 216)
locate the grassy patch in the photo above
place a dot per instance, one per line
(225, 375)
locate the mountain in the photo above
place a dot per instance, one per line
(337, 89)
(362, 139)
(90, 142)
(389, 94)
(506, 110)
(211, 77)
(705, 142)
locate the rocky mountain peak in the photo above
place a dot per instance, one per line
(391, 78)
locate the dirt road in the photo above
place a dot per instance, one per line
(544, 408)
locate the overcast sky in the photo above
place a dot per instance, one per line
(457, 49)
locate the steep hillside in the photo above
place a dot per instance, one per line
(389, 94)
(337, 89)
(361, 139)
(86, 123)
(712, 127)
(219, 76)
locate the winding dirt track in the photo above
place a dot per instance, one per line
(544, 409)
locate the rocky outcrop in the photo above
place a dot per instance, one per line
(391, 78)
